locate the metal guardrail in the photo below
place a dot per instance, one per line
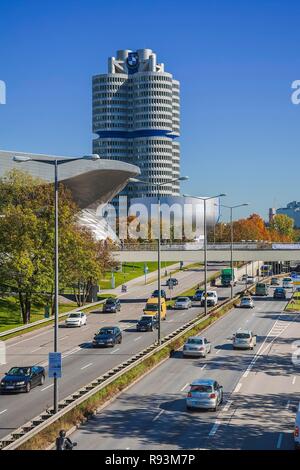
(40, 422)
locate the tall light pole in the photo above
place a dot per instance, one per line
(158, 186)
(231, 242)
(204, 199)
(55, 162)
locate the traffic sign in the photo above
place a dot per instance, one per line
(54, 369)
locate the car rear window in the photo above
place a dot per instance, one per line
(201, 388)
(242, 335)
(74, 315)
(110, 301)
(182, 299)
(195, 341)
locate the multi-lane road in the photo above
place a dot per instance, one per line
(261, 393)
(82, 363)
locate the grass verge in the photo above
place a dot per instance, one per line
(294, 303)
(86, 409)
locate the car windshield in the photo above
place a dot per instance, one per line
(106, 331)
(182, 299)
(242, 335)
(19, 371)
(287, 279)
(210, 294)
(199, 292)
(147, 319)
(152, 307)
(194, 341)
(201, 388)
(245, 299)
(110, 301)
(74, 315)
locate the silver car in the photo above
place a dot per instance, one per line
(182, 303)
(196, 346)
(244, 339)
(246, 302)
(204, 393)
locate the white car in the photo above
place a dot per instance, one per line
(196, 346)
(287, 283)
(183, 303)
(76, 319)
(246, 302)
(211, 298)
(244, 339)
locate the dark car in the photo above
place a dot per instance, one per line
(279, 293)
(107, 336)
(22, 379)
(147, 323)
(172, 281)
(162, 293)
(275, 281)
(112, 305)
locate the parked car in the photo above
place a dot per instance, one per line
(244, 339)
(275, 281)
(147, 323)
(107, 336)
(112, 305)
(22, 379)
(76, 319)
(198, 295)
(297, 429)
(182, 303)
(211, 298)
(162, 293)
(196, 346)
(246, 302)
(204, 393)
(172, 281)
(279, 293)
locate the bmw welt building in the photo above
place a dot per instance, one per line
(92, 183)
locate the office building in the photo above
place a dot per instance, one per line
(136, 116)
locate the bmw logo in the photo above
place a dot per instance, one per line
(133, 60)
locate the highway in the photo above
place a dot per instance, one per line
(260, 393)
(82, 363)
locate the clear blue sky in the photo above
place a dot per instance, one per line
(235, 60)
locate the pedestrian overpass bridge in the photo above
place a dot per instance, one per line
(194, 252)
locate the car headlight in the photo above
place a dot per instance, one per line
(20, 383)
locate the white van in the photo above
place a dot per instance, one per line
(297, 430)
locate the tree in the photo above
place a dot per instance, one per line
(27, 241)
(283, 225)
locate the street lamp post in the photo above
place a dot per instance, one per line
(204, 199)
(55, 162)
(231, 241)
(158, 186)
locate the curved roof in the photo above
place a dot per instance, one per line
(91, 182)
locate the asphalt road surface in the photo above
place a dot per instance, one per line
(260, 393)
(82, 363)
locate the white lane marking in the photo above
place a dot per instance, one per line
(63, 337)
(88, 365)
(214, 428)
(72, 351)
(238, 387)
(203, 367)
(136, 339)
(28, 339)
(157, 416)
(115, 350)
(183, 388)
(3, 411)
(278, 445)
(270, 334)
(36, 349)
(294, 380)
(227, 406)
(218, 351)
(287, 405)
(45, 388)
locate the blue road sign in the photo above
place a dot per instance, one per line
(54, 369)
